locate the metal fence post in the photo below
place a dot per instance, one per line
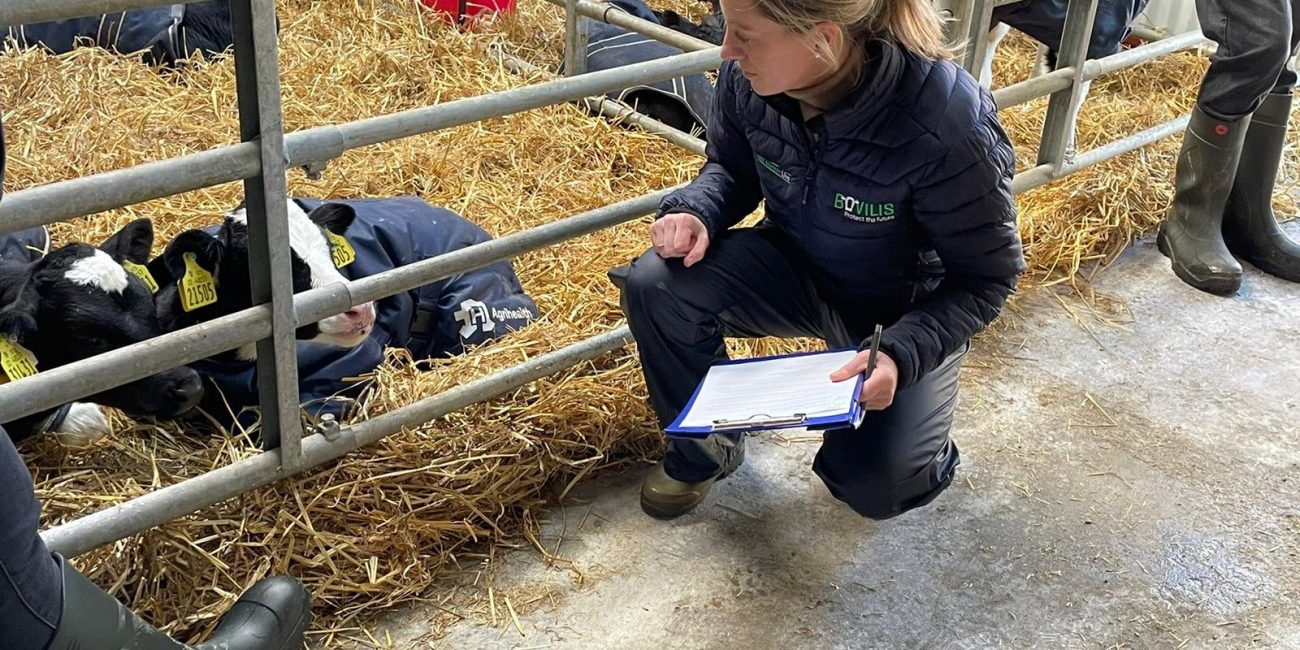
(977, 24)
(1058, 127)
(575, 40)
(956, 19)
(270, 269)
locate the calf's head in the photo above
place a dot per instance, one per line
(711, 28)
(224, 257)
(79, 301)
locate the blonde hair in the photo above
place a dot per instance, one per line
(914, 24)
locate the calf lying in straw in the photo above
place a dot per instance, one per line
(332, 242)
(65, 305)
(683, 103)
(161, 35)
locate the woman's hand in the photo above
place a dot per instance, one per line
(679, 234)
(878, 390)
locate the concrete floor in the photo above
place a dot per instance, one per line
(1121, 486)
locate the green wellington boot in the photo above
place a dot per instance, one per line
(664, 497)
(1192, 234)
(272, 615)
(1249, 227)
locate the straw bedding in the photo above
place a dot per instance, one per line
(376, 528)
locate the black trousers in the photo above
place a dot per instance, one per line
(1257, 39)
(31, 580)
(751, 284)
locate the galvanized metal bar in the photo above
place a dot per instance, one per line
(1044, 174)
(316, 304)
(77, 197)
(76, 380)
(257, 79)
(1125, 145)
(25, 12)
(64, 384)
(612, 15)
(575, 40)
(1058, 127)
(1032, 178)
(618, 111)
(68, 199)
(571, 38)
(1061, 78)
(311, 143)
(163, 505)
(1028, 90)
(956, 15)
(1143, 54)
(977, 36)
(622, 113)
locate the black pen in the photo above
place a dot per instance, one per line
(875, 349)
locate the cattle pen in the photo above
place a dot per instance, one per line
(266, 154)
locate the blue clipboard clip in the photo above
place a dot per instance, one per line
(759, 421)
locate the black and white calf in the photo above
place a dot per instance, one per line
(221, 254)
(352, 239)
(73, 303)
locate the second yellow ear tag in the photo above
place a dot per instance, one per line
(16, 360)
(141, 271)
(340, 250)
(197, 287)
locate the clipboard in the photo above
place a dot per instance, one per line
(850, 415)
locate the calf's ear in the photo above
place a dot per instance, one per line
(334, 217)
(18, 317)
(132, 243)
(207, 251)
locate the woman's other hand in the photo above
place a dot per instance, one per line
(679, 234)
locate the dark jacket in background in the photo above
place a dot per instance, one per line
(1043, 21)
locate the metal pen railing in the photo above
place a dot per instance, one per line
(264, 154)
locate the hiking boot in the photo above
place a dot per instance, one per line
(1192, 234)
(664, 497)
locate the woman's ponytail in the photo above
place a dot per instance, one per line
(916, 25)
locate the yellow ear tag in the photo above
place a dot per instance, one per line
(16, 360)
(197, 287)
(141, 271)
(340, 250)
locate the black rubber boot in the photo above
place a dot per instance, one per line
(1249, 227)
(1192, 234)
(272, 615)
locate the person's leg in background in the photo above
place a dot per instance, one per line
(1250, 229)
(1254, 38)
(45, 604)
(749, 284)
(31, 580)
(900, 458)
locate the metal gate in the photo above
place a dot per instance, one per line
(264, 155)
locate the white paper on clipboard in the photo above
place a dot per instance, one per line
(772, 388)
